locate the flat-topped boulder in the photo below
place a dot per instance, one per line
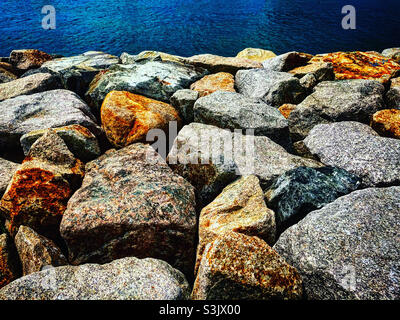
(123, 279)
(256, 54)
(221, 81)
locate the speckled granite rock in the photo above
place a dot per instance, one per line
(79, 140)
(358, 149)
(199, 155)
(302, 190)
(6, 75)
(258, 55)
(39, 190)
(287, 61)
(127, 58)
(239, 267)
(36, 252)
(28, 59)
(35, 83)
(157, 80)
(360, 65)
(229, 110)
(321, 71)
(239, 208)
(387, 123)
(350, 248)
(392, 53)
(393, 95)
(183, 101)
(7, 169)
(127, 118)
(77, 72)
(131, 204)
(9, 267)
(123, 279)
(221, 81)
(215, 64)
(274, 88)
(44, 110)
(333, 101)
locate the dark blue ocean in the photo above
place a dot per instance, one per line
(188, 27)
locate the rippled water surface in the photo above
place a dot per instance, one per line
(188, 27)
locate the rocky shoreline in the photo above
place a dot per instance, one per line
(94, 207)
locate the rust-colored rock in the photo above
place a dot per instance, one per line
(387, 123)
(127, 118)
(239, 267)
(221, 81)
(37, 252)
(360, 65)
(286, 109)
(38, 193)
(9, 269)
(28, 59)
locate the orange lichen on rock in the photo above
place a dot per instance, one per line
(127, 118)
(286, 109)
(360, 65)
(387, 123)
(222, 81)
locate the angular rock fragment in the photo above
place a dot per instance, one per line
(28, 59)
(7, 169)
(287, 61)
(127, 58)
(183, 101)
(258, 55)
(39, 190)
(35, 83)
(392, 53)
(9, 264)
(239, 208)
(333, 101)
(297, 192)
(239, 267)
(127, 118)
(393, 95)
(387, 123)
(123, 279)
(350, 248)
(131, 204)
(274, 88)
(358, 149)
(221, 81)
(6, 76)
(37, 252)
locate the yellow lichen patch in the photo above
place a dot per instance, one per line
(360, 65)
(221, 81)
(255, 54)
(286, 109)
(387, 123)
(127, 118)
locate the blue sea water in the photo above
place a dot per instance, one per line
(188, 27)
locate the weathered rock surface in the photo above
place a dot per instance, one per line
(393, 95)
(28, 59)
(6, 76)
(183, 101)
(79, 140)
(7, 169)
(154, 79)
(387, 123)
(216, 64)
(274, 88)
(239, 208)
(297, 192)
(35, 83)
(123, 279)
(36, 252)
(333, 101)
(131, 204)
(39, 190)
(358, 149)
(239, 267)
(127, 118)
(221, 81)
(350, 248)
(258, 55)
(77, 72)
(287, 61)
(392, 53)
(210, 158)
(9, 268)
(44, 110)
(229, 110)
(286, 109)
(127, 58)
(322, 71)
(360, 65)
